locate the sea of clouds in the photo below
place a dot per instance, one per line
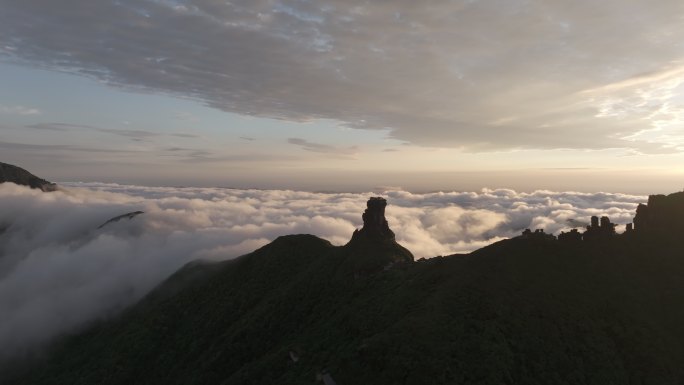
(58, 271)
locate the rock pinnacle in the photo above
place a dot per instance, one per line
(375, 225)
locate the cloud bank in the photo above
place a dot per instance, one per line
(58, 271)
(475, 75)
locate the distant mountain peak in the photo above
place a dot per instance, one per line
(375, 225)
(374, 247)
(17, 175)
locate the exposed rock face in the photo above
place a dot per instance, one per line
(599, 230)
(375, 225)
(129, 216)
(663, 215)
(374, 248)
(17, 175)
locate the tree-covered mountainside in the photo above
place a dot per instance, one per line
(17, 175)
(529, 310)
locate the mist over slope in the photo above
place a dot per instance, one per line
(58, 271)
(529, 310)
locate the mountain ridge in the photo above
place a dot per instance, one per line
(592, 307)
(17, 175)
(526, 310)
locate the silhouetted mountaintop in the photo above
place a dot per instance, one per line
(17, 175)
(528, 310)
(663, 215)
(117, 218)
(374, 248)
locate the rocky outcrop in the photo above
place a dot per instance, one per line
(663, 215)
(17, 175)
(128, 216)
(538, 235)
(375, 226)
(373, 248)
(573, 236)
(598, 231)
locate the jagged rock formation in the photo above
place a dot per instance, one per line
(129, 216)
(17, 175)
(663, 215)
(599, 231)
(595, 232)
(375, 226)
(373, 247)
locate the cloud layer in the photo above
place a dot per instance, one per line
(474, 75)
(58, 271)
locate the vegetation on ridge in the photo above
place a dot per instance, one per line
(529, 310)
(522, 311)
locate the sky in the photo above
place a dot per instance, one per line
(346, 95)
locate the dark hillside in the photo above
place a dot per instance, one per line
(17, 175)
(530, 310)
